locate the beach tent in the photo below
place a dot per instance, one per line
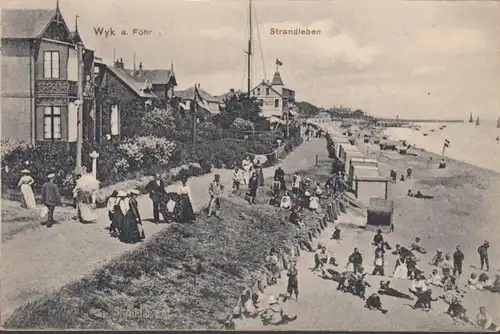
(380, 215)
(352, 155)
(339, 142)
(367, 185)
(345, 147)
(357, 164)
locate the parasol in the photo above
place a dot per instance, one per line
(87, 182)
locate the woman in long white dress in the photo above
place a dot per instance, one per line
(401, 270)
(25, 184)
(246, 164)
(86, 188)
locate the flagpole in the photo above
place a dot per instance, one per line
(195, 109)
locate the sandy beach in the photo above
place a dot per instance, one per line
(462, 212)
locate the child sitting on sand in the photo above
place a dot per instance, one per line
(438, 258)
(373, 303)
(416, 246)
(473, 283)
(435, 278)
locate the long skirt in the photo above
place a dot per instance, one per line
(28, 196)
(187, 209)
(401, 271)
(129, 232)
(87, 214)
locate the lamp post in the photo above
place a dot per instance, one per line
(79, 104)
(94, 155)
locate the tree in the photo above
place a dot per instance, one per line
(238, 106)
(307, 109)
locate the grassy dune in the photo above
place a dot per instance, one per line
(154, 286)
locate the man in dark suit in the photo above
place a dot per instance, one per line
(156, 189)
(50, 198)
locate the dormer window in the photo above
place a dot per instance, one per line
(267, 91)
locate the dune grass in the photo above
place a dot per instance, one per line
(186, 277)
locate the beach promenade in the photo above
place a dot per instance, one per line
(461, 213)
(38, 261)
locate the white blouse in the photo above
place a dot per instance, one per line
(184, 190)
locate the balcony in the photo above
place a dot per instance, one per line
(55, 87)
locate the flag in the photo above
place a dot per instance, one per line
(446, 143)
(199, 100)
(278, 62)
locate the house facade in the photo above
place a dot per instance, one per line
(209, 102)
(120, 91)
(275, 100)
(40, 75)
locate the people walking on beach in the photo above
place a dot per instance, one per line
(356, 259)
(483, 255)
(110, 205)
(379, 264)
(253, 185)
(187, 206)
(373, 303)
(293, 281)
(156, 190)
(215, 190)
(458, 258)
(409, 172)
(25, 184)
(50, 198)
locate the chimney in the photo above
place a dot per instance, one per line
(119, 63)
(140, 66)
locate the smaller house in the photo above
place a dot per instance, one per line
(274, 98)
(208, 101)
(118, 87)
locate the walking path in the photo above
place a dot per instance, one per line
(39, 261)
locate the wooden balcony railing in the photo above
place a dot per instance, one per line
(55, 87)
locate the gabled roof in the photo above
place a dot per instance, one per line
(28, 23)
(277, 80)
(156, 77)
(188, 94)
(263, 83)
(134, 84)
(25, 23)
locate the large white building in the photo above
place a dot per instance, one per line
(274, 98)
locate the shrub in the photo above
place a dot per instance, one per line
(242, 124)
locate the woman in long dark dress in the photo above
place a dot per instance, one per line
(132, 231)
(187, 207)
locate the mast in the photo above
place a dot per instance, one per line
(477, 120)
(249, 52)
(470, 119)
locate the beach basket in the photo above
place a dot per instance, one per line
(380, 215)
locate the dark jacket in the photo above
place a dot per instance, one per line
(356, 258)
(378, 239)
(50, 194)
(458, 257)
(483, 250)
(155, 191)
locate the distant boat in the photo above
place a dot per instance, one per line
(425, 134)
(477, 121)
(470, 119)
(432, 130)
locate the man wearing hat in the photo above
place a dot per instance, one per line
(50, 198)
(215, 190)
(156, 189)
(483, 255)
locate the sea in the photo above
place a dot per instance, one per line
(468, 142)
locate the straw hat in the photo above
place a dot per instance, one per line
(25, 171)
(51, 176)
(272, 300)
(122, 193)
(134, 192)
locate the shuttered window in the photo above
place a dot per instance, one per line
(52, 123)
(51, 64)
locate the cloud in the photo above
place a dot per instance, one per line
(451, 41)
(325, 49)
(427, 70)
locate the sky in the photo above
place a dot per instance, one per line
(409, 58)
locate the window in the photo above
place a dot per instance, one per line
(115, 120)
(258, 91)
(276, 103)
(51, 123)
(51, 64)
(267, 91)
